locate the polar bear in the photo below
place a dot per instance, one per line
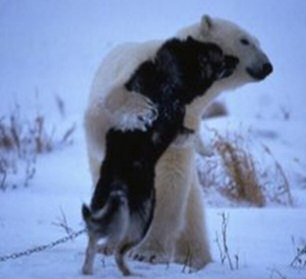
(178, 230)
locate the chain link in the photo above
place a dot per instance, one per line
(41, 248)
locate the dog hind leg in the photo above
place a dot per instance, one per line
(90, 256)
(120, 257)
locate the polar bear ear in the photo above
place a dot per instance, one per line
(206, 23)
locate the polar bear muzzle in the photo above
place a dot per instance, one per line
(260, 73)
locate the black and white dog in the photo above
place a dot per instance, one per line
(122, 205)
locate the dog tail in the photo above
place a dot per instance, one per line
(112, 219)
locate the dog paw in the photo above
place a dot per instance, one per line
(86, 270)
(106, 250)
(136, 114)
(146, 117)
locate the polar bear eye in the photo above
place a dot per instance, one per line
(245, 42)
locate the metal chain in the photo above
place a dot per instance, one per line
(41, 248)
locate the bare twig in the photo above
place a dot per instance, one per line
(60, 105)
(300, 258)
(221, 253)
(63, 223)
(223, 245)
(277, 272)
(188, 262)
(236, 261)
(66, 139)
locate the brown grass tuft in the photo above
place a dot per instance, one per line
(243, 183)
(234, 172)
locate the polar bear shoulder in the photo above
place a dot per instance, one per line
(118, 66)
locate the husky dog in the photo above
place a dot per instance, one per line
(122, 205)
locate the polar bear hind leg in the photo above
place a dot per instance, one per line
(173, 174)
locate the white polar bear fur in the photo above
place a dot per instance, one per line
(178, 230)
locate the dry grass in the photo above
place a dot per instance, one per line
(275, 273)
(243, 181)
(280, 194)
(21, 141)
(236, 174)
(299, 260)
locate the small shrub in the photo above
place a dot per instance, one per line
(21, 141)
(243, 181)
(238, 175)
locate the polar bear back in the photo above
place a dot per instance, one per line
(118, 66)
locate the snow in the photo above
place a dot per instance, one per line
(284, 139)
(261, 237)
(50, 48)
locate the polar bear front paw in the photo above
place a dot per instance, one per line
(150, 256)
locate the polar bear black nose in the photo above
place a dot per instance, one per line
(261, 72)
(267, 69)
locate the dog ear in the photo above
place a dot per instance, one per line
(86, 213)
(230, 64)
(231, 61)
(190, 39)
(206, 24)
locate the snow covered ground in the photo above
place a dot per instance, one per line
(53, 47)
(264, 239)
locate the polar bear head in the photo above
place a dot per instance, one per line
(254, 64)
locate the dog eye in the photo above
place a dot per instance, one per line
(245, 42)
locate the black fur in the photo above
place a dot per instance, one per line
(181, 71)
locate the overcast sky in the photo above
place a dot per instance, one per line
(54, 46)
